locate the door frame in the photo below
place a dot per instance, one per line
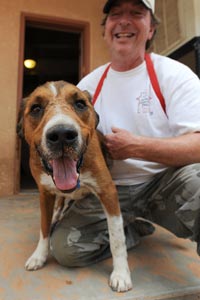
(55, 23)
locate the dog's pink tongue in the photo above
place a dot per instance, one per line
(64, 173)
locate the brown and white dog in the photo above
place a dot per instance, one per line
(59, 124)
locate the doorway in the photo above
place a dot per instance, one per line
(57, 50)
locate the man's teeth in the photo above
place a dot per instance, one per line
(127, 35)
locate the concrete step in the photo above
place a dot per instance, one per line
(162, 266)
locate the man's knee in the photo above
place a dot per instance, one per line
(71, 249)
(63, 246)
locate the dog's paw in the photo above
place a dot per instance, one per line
(35, 262)
(39, 256)
(120, 281)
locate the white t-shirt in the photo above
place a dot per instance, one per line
(127, 100)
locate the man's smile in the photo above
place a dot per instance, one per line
(124, 35)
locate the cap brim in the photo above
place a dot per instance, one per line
(110, 3)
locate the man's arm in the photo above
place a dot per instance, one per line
(174, 151)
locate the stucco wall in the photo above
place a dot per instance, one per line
(197, 16)
(10, 10)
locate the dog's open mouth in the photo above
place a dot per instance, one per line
(63, 169)
(65, 175)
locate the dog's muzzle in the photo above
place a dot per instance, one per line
(64, 157)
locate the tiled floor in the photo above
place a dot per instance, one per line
(162, 266)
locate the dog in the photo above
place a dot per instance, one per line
(59, 123)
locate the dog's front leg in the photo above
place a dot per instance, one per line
(120, 279)
(39, 256)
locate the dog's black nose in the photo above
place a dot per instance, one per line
(60, 135)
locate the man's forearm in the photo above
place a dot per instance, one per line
(176, 151)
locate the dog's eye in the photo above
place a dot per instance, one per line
(80, 105)
(36, 109)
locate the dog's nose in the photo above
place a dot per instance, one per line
(61, 135)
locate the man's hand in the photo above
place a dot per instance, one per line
(119, 143)
(175, 151)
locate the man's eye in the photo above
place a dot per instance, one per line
(36, 109)
(137, 13)
(115, 14)
(80, 105)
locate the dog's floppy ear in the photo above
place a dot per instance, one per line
(97, 119)
(90, 99)
(20, 122)
(88, 95)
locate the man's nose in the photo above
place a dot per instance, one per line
(125, 20)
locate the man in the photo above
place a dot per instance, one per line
(154, 142)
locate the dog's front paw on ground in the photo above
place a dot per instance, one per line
(120, 281)
(35, 263)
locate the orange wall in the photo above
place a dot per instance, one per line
(10, 11)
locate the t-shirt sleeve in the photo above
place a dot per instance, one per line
(181, 90)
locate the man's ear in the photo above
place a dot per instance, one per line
(20, 122)
(152, 32)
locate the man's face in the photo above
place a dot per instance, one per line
(128, 27)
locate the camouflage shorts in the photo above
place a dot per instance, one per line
(171, 199)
